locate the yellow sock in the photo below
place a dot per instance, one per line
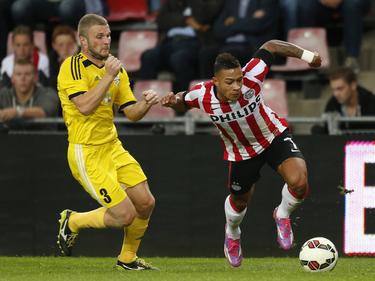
(92, 219)
(133, 236)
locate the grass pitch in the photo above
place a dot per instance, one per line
(177, 269)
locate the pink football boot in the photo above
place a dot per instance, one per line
(284, 231)
(232, 251)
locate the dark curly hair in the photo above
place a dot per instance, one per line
(225, 61)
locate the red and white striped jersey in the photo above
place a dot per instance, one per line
(246, 126)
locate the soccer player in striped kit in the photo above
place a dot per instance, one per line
(252, 135)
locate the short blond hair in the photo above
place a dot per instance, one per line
(89, 20)
(23, 62)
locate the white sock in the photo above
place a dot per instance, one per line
(288, 203)
(234, 220)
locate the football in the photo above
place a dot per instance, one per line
(318, 254)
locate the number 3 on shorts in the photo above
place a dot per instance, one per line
(104, 193)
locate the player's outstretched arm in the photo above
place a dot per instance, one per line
(138, 110)
(286, 49)
(174, 101)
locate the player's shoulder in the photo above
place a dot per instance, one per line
(261, 58)
(199, 90)
(202, 86)
(73, 65)
(77, 58)
(67, 62)
(124, 73)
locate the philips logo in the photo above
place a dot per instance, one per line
(231, 116)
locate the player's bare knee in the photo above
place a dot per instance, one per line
(296, 180)
(149, 204)
(299, 185)
(146, 207)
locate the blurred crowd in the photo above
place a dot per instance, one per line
(191, 34)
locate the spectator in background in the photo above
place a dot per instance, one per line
(242, 27)
(98, 7)
(349, 99)
(289, 15)
(30, 12)
(23, 48)
(64, 44)
(321, 12)
(25, 99)
(183, 27)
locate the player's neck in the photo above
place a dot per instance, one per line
(94, 60)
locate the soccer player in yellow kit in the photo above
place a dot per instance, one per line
(89, 83)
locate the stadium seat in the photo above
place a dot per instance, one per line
(121, 10)
(274, 95)
(131, 46)
(313, 39)
(39, 42)
(162, 88)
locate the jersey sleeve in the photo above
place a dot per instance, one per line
(125, 95)
(72, 78)
(259, 66)
(191, 98)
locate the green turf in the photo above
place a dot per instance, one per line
(177, 269)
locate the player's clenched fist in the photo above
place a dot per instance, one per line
(112, 65)
(150, 97)
(169, 100)
(317, 60)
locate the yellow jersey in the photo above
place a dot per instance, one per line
(78, 75)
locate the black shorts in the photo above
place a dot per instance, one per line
(243, 174)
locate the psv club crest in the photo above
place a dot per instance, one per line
(249, 94)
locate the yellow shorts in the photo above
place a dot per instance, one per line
(101, 169)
